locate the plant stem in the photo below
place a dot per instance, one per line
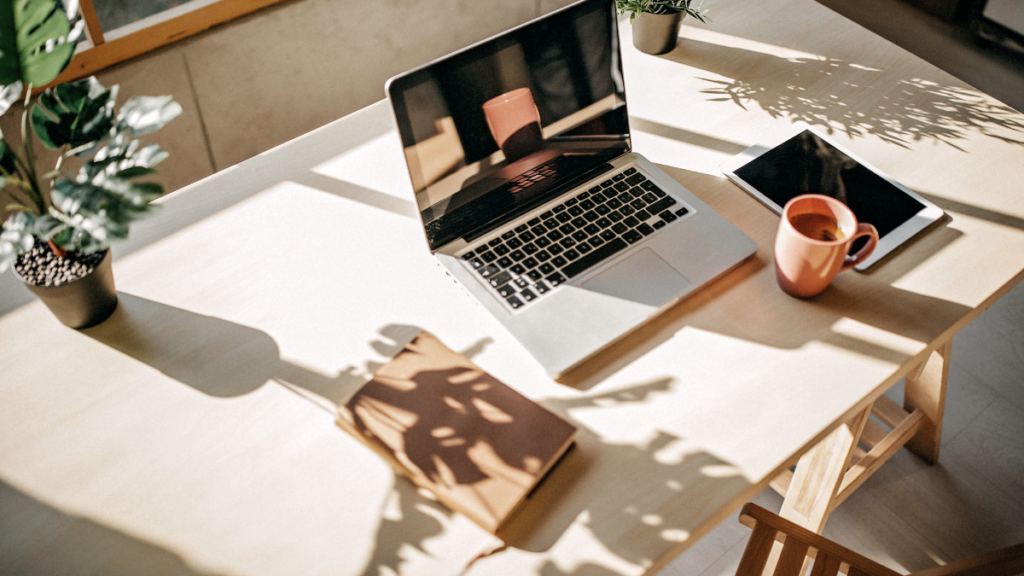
(60, 252)
(30, 158)
(60, 162)
(22, 188)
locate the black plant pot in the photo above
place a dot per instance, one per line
(656, 33)
(84, 302)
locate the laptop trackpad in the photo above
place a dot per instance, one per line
(643, 277)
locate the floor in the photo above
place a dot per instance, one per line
(243, 93)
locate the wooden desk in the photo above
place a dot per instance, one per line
(193, 433)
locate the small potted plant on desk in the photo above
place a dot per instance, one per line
(656, 22)
(61, 222)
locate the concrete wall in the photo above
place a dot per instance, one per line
(261, 80)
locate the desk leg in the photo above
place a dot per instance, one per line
(926, 391)
(819, 473)
(817, 478)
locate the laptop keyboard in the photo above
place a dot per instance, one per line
(525, 263)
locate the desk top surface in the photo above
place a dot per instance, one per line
(194, 433)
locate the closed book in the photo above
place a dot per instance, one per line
(480, 446)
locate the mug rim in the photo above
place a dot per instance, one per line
(832, 202)
(506, 97)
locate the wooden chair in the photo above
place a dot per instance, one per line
(800, 544)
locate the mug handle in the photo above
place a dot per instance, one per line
(862, 254)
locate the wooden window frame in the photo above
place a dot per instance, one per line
(163, 31)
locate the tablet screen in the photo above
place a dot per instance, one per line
(807, 164)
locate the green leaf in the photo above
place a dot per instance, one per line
(144, 114)
(8, 254)
(18, 230)
(9, 95)
(134, 172)
(634, 7)
(36, 43)
(99, 205)
(149, 156)
(8, 162)
(74, 114)
(47, 227)
(15, 238)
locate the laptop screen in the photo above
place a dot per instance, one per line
(499, 128)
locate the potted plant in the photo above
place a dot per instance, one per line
(61, 222)
(656, 22)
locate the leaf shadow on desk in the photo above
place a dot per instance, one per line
(50, 541)
(655, 481)
(634, 523)
(829, 92)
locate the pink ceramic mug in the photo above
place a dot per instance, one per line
(515, 123)
(813, 242)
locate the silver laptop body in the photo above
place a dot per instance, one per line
(519, 153)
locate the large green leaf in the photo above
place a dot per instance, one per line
(74, 114)
(35, 41)
(103, 212)
(16, 237)
(96, 208)
(144, 114)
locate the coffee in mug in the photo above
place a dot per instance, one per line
(818, 227)
(813, 241)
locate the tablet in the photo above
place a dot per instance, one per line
(808, 163)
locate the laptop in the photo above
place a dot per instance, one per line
(531, 197)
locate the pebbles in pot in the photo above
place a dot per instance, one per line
(41, 267)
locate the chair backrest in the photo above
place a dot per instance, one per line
(830, 559)
(797, 544)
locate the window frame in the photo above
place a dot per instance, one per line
(164, 29)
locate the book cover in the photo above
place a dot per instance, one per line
(456, 430)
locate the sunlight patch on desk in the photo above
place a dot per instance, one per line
(730, 41)
(675, 535)
(973, 275)
(98, 465)
(719, 471)
(874, 336)
(374, 165)
(867, 68)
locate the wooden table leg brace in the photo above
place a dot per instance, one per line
(828, 473)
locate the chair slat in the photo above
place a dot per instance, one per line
(755, 555)
(791, 561)
(825, 565)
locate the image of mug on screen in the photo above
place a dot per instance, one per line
(515, 123)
